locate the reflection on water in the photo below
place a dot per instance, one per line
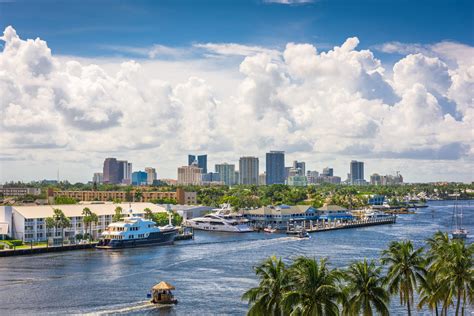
(210, 272)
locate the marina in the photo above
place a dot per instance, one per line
(217, 265)
(314, 227)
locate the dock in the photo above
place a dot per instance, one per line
(185, 233)
(323, 226)
(38, 250)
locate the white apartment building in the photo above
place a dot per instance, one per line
(190, 175)
(28, 222)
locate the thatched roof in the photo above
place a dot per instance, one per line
(163, 286)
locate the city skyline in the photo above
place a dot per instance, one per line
(312, 81)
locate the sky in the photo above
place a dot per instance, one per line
(387, 82)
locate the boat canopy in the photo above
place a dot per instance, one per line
(163, 286)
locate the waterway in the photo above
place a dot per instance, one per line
(210, 272)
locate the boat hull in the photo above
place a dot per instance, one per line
(154, 239)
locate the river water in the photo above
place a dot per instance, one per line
(210, 272)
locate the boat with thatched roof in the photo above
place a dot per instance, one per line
(161, 294)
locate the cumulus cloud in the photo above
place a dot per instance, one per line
(338, 103)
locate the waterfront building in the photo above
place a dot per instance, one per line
(13, 192)
(28, 222)
(248, 169)
(328, 172)
(297, 181)
(262, 179)
(201, 161)
(275, 167)
(376, 199)
(279, 216)
(139, 178)
(150, 175)
(357, 172)
(179, 195)
(227, 173)
(190, 175)
(98, 178)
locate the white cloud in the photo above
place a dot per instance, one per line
(327, 107)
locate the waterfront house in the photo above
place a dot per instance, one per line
(279, 216)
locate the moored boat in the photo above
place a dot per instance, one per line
(134, 231)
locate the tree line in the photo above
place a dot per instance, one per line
(442, 274)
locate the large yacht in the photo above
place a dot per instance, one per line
(221, 220)
(134, 231)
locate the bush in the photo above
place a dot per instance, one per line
(2, 246)
(12, 243)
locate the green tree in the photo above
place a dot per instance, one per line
(365, 290)
(148, 214)
(138, 195)
(430, 292)
(86, 219)
(457, 274)
(58, 220)
(118, 214)
(50, 224)
(314, 288)
(405, 270)
(266, 298)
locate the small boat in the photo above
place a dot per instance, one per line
(303, 234)
(161, 294)
(270, 230)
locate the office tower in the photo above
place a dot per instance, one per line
(248, 170)
(275, 167)
(151, 175)
(328, 172)
(124, 172)
(262, 179)
(139, 178)
(300, 166)
(111, 171)
(357, 172)
(201, 161)
(211, 177)
(227, 173)
(98, 178)
(190, 174)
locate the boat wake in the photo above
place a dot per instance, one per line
(138, 307)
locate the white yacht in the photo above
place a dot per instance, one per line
(134, 231)
(221, 220)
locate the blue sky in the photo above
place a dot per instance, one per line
(390, 83)
(85, 27)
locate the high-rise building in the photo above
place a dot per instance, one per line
(227, 173)
(275, 167)
(150, 175)
(190, 174)
(328, 172)
(139, 178)
(248, 170)
(111, 171)
(211, 177)
(124, 172)
(357, 172)
(300, 166)
(98, 178)
(201, 161)
(262, 179)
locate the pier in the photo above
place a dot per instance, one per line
(38, 250)
(321, 226)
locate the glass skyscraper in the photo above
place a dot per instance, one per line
(357, 172)
(275, 167)
(201, 159)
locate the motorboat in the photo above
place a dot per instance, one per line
(161, 294)
(221, 220)
(134, 231)
(270, 230)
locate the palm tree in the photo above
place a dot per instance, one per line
(93, 219)
(314, 288)
(457, 274)
(431, 292)
(365, 290)
(60, 221)
(118, 214)
(138, 195)
(266, 298)
(87, 219)
(49, 222)
(405, 270)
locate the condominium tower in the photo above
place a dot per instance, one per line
(275, 167)
(248, 170)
